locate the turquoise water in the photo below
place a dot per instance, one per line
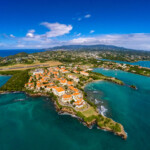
(28, 123)
(139, 63)
(4, 79)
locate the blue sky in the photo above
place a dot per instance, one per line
(47, 23)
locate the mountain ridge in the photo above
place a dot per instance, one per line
(94, 47)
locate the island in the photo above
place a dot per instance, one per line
(64, 84)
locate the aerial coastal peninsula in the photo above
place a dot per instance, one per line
(61, 74)
(74, 75)
(64, 84)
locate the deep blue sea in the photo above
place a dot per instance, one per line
(28, 123)
(140, 63)
(4, 53)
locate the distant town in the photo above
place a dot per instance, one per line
(95, 57)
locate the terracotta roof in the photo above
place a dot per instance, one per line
(76, 94)
(63, 81)
(70, 83)
(59, 89)
(53, 87)
(29, 84)
(79, 102)
(71, 87)
(66, 96)
(76, 90)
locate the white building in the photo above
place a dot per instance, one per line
(77, 96)
(74, 78)
(84, 73)
(38, 71)
(66, 98)
(80, 103)
(59, 91)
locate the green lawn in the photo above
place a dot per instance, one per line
(90, 112)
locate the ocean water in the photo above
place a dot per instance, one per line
(4, 53)
(28, 123)
(139, 63)
(4, 79)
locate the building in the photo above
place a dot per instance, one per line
(80, 103)
(48, 89)
(73, 77)
(73, 89)
(66, 98)
(77, 96)
(30, 85)
(69, 83)
(38, 85)
(59, 91)
(38, 71)
(64, 71)
(84, 73)
(75, 71)
(30, 79)
(63, 82)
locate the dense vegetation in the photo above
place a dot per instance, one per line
(16, 82)
(99, 76)
(9, 72)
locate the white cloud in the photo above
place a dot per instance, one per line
(44, 40)
(87, 16)
(92, 31)
(78, 34)
(30, 33)
(56, 29)
(20, 46)
(2, 44)
(79, 19)
(12, 36)
(134, 41)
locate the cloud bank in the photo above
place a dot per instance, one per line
(139, 41)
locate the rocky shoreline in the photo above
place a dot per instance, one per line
(90, 124)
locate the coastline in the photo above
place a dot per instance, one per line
(113, 81)
(95, 117)
(92, 82)
(70, 111)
